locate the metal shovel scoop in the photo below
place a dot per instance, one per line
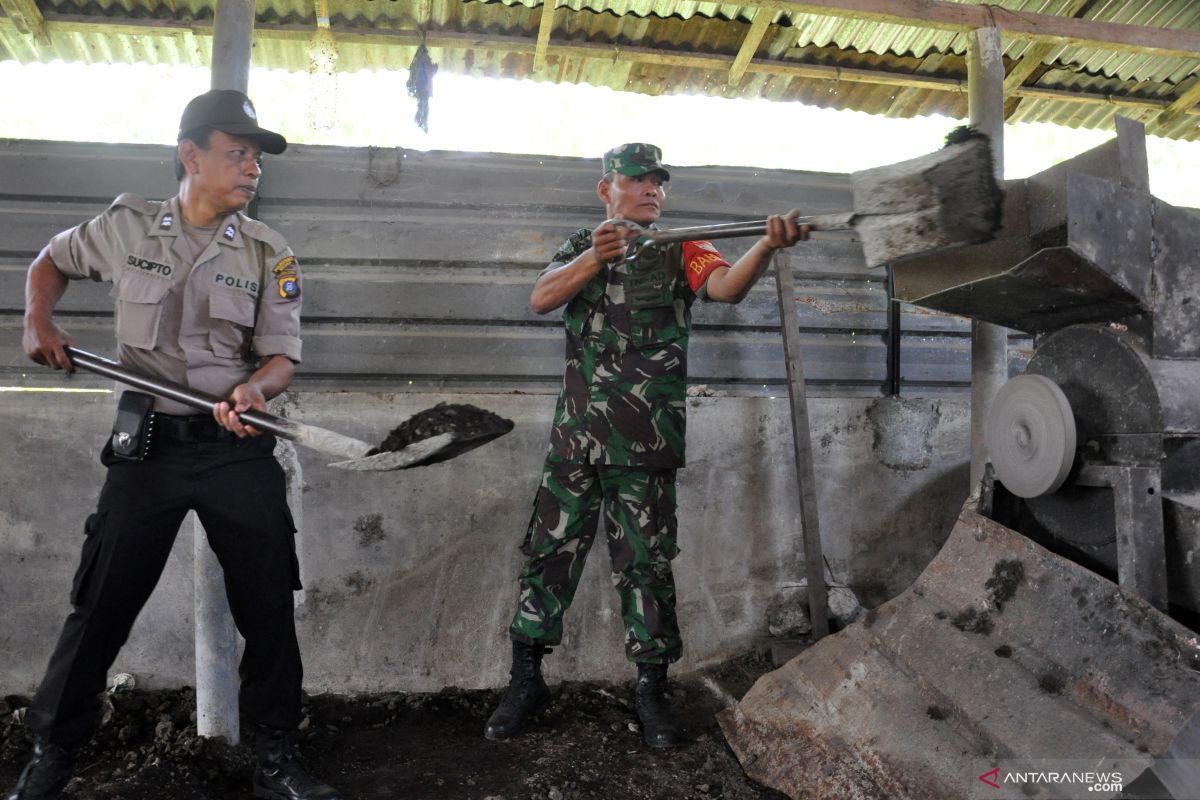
(353, 452)
(947, 198)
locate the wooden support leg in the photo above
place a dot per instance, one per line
(814, 559)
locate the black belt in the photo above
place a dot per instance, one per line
(190, 429)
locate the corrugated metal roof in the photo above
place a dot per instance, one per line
(662, 46)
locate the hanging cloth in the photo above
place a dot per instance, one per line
(420, 84)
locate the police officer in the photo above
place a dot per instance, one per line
(208, 298)
(618, 432)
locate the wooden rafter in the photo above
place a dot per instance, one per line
(545, 26)
(1186, 104)
(1034, 55)
(454, 40)
(27, 18)
(1040, 28)
(758, 29)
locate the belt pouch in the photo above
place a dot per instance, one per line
(134, 426)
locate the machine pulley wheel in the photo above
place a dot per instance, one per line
(1031, 436)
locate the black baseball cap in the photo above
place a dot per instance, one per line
(229, 111)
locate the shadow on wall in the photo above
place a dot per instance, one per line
(926, 517)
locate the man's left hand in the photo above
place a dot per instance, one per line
(782, 231)
(244, 397)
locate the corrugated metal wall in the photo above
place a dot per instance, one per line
(417, 268)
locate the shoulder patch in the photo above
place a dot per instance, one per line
(260, 232)
(289, 286)
(136, 203)
(286, 264)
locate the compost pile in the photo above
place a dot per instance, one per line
(584, 746)
(470, 423)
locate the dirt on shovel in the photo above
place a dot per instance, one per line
(469, 423)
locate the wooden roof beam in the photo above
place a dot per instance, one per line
(758, 29)
(27, 18)
(1041, 28)
(523, 45)
(1035, 54)
(545, 26)
(1185, 104)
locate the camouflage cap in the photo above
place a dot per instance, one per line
(634, 159)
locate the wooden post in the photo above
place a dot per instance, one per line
(806, 477)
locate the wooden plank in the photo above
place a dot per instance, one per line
(1042, 28)
(1181, 106)
(545, 26)
(935, 14)
(806, 475)
(477, 296)
(28, 19)
(396, 353)
(758, 29)
(1023, 24)
(1035, 54)
(409, 280)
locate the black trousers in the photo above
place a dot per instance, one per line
(236, 487)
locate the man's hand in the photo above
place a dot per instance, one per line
(244, 396)
(44, 341)
(609, 241)
(782, 231)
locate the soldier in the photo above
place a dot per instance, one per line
(208, 298)
(618, 433)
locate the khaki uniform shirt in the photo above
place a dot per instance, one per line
(204, 323)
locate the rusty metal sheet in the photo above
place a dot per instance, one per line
(1000, 651)
(1051, 289)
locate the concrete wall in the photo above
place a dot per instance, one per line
(409, 576)
(417, 268)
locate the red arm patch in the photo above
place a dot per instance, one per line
(699, 261)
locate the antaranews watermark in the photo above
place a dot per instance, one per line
(1054, 779)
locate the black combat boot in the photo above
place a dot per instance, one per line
(659, 727)
(45, 775)
(279, 774)
(526, 695)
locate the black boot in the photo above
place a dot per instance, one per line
(659, 727)
(45, 775)
(279, 774)
(526, 695)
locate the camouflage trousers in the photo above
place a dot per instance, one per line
(639, 512)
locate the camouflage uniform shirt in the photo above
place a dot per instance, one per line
(627, 330)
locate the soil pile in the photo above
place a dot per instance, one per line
(585, 746)
(471, 423)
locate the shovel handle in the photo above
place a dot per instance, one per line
(647, 237)
(173, 391)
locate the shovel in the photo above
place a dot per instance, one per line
(944, 199)
(353, 452)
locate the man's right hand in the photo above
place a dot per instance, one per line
(609, 241)
(44, 341)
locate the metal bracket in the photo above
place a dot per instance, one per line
(1141, 552)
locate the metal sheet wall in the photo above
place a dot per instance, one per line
(417, 268)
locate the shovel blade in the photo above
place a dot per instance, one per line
(414, 455)
(948, 198)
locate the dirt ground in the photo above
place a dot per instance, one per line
(585, 746)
